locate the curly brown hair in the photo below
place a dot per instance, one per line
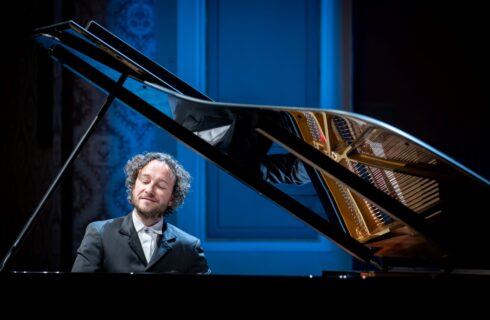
(182, 177)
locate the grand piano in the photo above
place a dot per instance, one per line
(414, 216)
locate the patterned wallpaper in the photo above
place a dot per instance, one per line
(98, 179)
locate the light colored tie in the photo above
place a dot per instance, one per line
(150, 242)
(147, 243)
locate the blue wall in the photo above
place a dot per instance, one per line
(259, 52)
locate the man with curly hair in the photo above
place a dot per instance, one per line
(142, 241)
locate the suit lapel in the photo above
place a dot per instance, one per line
(135, 245)
(166, 243)
(127, 228)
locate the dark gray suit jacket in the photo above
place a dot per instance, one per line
(114, 246)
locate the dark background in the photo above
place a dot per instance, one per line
(423, 67)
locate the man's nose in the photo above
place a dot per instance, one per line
(149, 189)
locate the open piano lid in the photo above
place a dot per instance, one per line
(382, 195)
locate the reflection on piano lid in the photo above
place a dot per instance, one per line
(389, 191)
(385, 197)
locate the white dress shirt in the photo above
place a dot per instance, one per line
(148, 235)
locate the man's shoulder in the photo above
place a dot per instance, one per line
(104, 224)
(180, 234)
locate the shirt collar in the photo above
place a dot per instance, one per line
(139, 225)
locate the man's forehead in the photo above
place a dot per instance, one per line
(156, 166)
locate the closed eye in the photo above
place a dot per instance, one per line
(161, 186)
(144, 179)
